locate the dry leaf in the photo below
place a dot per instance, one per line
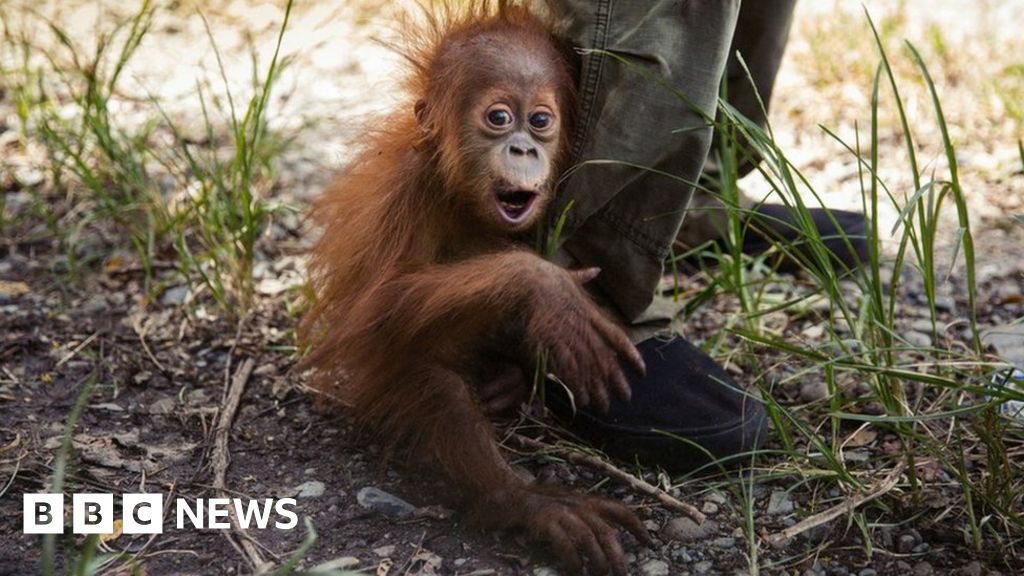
(118, 527)
(13, 289)
(425, 563)
(862, 437)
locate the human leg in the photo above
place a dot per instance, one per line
(762, 30)
(627, 212)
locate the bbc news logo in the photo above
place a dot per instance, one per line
(144, 513)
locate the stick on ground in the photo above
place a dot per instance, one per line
(638, 484)
(222, 458)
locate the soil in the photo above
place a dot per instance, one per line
(162, 363)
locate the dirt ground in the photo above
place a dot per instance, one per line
(162, 366)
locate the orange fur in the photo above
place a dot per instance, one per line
(413, 287)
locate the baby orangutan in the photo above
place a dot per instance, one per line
(420, 283)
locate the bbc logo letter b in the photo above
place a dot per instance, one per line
(43, 514)
(92, 513)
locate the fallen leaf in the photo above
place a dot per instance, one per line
(435, 512)
(862, 437)
(425, 563)
(115, 534)
(384, 551)
(13, 289)
(114, 264)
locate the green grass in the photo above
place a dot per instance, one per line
(935, 400)
(189, 205)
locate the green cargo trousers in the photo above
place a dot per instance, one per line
(624, 219)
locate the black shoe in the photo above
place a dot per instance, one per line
(773, 224)
(685, 413)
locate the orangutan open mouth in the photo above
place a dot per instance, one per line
(516, 206)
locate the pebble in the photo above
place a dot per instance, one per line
(709, 508)
(28, 177)
(918, 339)
(925, 325)
(813, 391)
(654, 568)
(779, 503)
(715, 498)
(174, 296)
(702, 567)
(310, 489)
(681, 555)
(923, 569)
(380, 501)
(868, 572)
(905, 544)
(544, 571)
(973, 569)
(684, 529)
(724, 542)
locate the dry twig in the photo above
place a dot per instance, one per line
(222, 458)
(638, 484)
(836, 511)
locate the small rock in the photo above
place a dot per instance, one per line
(1007, 340)
(813, 391)
(681, 555)
(165, 405)
(709, 508)
(544, 571)
(973, 569)
(380, 501)
(654, 568)
(174, 296)
(905, 544)
(702, 567)
(310, 489)
(779, 503)
(887, 537)
(684, 529)
(813, 332)
(923, 569)
(28, 177)
(94, 306)
(918, 339)
(868, 572)
(725, 542)
(715, 498)
(924, 325)
(651, 526)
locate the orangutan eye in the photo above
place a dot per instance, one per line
(499, 117)
(541, 120)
